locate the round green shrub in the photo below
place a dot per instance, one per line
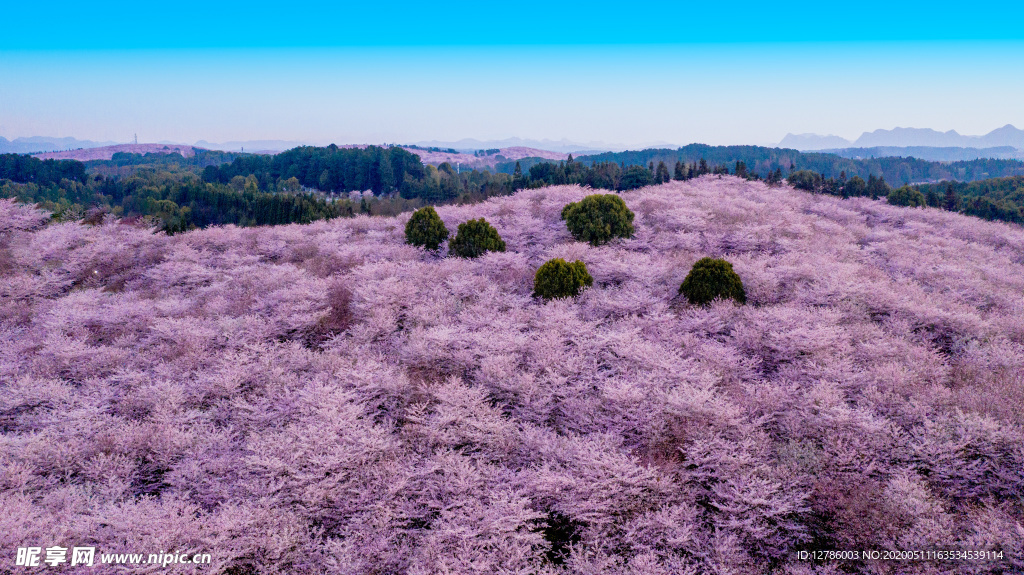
(426, 229)
(711, 278)
(474, 238)
(805, 180)
(558, 278)
(635, 177)
(907, 196)
(598, 218)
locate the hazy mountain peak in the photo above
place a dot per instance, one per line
(813, 142)
(32, 144)
(1008, 135)
(901, 137)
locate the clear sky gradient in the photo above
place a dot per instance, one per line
(634, 74)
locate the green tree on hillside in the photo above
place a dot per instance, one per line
(949, 201)
(558, 278)
(426, 229)
(806, 180)
(741, 169)
(386, 173)
(474, 238)
(679, 173)
(518, 181)
(598, 218)
(712, 278)
(855, 188)
(906, 196)
(877, 187)
(635, 177)
(661, 175)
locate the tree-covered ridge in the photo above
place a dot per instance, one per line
(27, 169)
(382, 171)
(991, 199)
(763, 161)
(219, 188)
(328, 169)
(184, 193)
(176, 201)
(994, 199)
(200, 159)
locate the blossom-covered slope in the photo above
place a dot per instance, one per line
(326, 399)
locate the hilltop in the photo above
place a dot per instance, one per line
(435, 157)
(324, 398)
(107, 152)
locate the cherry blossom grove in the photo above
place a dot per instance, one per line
(324, 398)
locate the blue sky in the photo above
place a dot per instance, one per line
(614, 72)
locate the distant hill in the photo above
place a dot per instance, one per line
(931, 154)
(43, 144)
(564, 146)
(465, 145)
(252, 145)
(808, 142)
(107, 152)
(466, 160)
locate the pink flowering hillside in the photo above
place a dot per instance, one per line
(324, 398)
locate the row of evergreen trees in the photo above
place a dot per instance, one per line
(28, 169)
(612, 176)
(242, 191)
(177, 202)
(854, 187)
(248, 190)
(382, 171)
(991, 199)
(995, 199)
(764, 161)
(328, 169)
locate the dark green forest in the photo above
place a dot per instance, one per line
(762, 161)
(991, 199)
(210, 188)
(27, 169)
(311, 183)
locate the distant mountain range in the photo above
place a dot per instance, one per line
(44, 144)
(1008, 135)
(931, 154)
(813, 142)
(923, 143)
